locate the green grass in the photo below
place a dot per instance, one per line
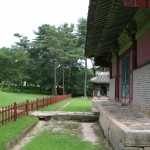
(76, 105)
(7, 98)
(48, 140)
(56, 105)
(79, 105)
(12, 129)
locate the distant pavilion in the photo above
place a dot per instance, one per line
(101, 84)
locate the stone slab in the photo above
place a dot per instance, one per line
(125, 129)
(80, 116)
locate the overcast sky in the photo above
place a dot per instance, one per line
(24, 16)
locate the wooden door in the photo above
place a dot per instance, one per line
(126, 77)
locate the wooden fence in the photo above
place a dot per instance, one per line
(12, 112)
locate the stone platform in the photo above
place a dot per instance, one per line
(124, 128)
(59, 115)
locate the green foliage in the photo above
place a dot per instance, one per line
(49, 140)
(52, 61)
(12, 130)
(77, 82)
(81, 26)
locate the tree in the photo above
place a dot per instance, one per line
(68, 43)
(6, 66)
(49, 45)
(53, 60)
(21, 60)
(81, 26)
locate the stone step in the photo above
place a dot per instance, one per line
(95, 111)
(79, 116)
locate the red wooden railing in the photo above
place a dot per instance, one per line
(12, 112)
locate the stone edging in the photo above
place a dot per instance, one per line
(13, 142)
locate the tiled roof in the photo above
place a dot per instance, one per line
(101, 77)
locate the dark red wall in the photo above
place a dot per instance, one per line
(143, 49)
(136, 3)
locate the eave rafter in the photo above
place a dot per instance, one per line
(110, 18)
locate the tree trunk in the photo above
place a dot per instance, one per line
(40, 89)
(52, 87)
(4, 85)
(55, 78)
(63, 79)
(21, 87)
(85, 78)
(69, 75)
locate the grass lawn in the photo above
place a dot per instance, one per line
(79, 105)
(76, 105)
(56, 105)
(7, 98)
(49, 140)
(12, 129)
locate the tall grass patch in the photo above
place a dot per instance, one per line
(12, 130)
(49, 140)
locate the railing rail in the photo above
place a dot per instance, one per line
(12, 112)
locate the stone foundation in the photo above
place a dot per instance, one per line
(125, 130)
(112, 89)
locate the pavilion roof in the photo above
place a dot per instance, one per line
(101, 78)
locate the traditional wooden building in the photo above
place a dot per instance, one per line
(101, 84)
(118, 36)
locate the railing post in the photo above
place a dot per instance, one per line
(47, 101)
(15, 111)
(37, 106)
(11, 112)
(27, 107)
(32, 106)
(52, 100)
(43, 102)
(8, 112)
(2, 115)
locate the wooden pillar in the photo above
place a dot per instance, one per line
(117, 78)
(134, 64)
(110, 70)
(134, 52)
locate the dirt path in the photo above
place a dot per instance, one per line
(60, 108)
(85, 130)
(35, 131)
(88, 132)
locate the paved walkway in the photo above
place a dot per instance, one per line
(125, 128)
(131, 119)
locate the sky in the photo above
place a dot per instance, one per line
(24, 16)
